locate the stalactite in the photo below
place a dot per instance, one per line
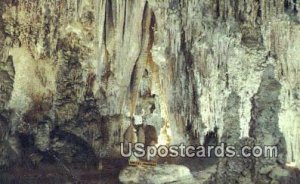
(142, 60)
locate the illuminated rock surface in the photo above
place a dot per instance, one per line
(158, 174)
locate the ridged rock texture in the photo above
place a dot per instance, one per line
(83, 68)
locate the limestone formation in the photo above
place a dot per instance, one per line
(74, 73)
(159, 174)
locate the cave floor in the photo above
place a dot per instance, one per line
(56, 173)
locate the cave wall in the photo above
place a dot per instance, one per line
(86, 66)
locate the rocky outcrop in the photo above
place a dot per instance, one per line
(158, 174)
(8, 155)
(7, 73)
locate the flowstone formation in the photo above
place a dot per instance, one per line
(74, 73)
